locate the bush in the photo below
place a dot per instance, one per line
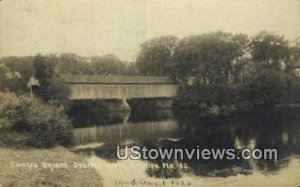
(268, 87)
(207, 95)
(47, 123)
(12, 110)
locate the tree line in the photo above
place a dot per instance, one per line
(217, 57)
(256, 68)
(221, 69)
(16, 71)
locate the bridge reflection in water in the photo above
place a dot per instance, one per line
(119, 127)
(125, 131)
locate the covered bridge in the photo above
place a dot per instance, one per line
(120, 87)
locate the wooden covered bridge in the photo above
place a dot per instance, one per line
(123, 88)
(120, 87)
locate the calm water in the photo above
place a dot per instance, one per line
(97, 135)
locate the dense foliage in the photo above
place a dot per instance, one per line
(217, 68)
(221, 68)
(208, 56)
(16, 71)
(155, 54)
(51, 86)
(47, 123)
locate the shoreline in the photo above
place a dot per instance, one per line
(58, 166)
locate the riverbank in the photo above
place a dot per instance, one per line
(21, 166)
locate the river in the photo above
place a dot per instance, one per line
(97, 134)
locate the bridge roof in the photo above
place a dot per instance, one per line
(116, 79)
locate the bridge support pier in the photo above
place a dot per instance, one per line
(124, 105)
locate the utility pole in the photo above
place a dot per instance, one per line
(31, 94)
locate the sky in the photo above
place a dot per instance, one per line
(99, 27)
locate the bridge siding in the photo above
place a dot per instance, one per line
(122, 91)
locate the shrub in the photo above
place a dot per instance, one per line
(12, 110)
(47, 123)
(207, 95)
(268, 87)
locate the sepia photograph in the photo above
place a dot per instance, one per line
(149, 93)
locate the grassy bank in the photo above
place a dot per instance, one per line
(31, 167)
(21, 166)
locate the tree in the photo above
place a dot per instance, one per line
(155, 54)
(242, 65)
(208, 56)
(131, 69)
(268, 87)
(270, 50)
(3, 78)
(107, 65)
(59, 91)
(51, 86)
(69, 63)
(20, 69)
(43, 71)
(295, 53)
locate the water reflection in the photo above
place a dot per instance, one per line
(126, 132)
(278, 129)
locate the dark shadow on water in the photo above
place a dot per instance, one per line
(98, 117)
(279, 129)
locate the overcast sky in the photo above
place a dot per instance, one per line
(98, 27)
